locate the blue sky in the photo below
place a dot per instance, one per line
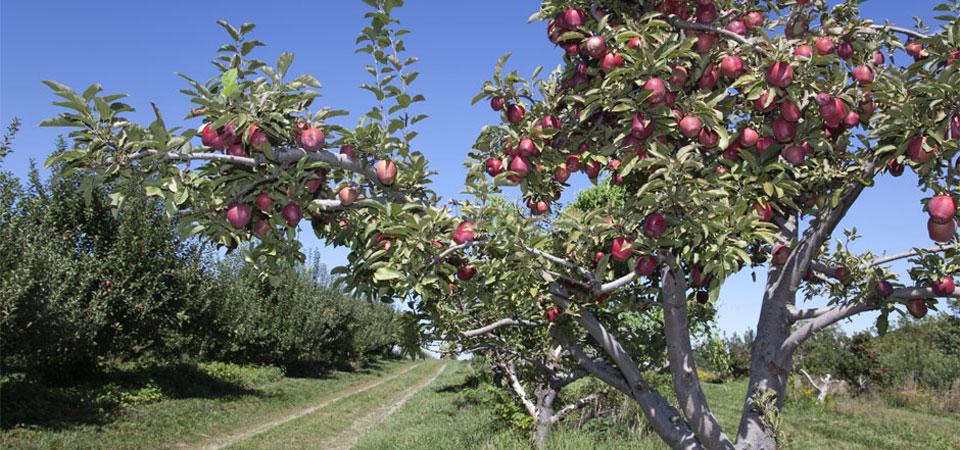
(136, 47)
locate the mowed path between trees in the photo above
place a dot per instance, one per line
(338, 422)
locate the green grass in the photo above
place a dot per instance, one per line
(191, 420)
(333, 424)
(437, 418)
(448, 415)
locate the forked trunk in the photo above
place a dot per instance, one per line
(766, 374)
(545, 413)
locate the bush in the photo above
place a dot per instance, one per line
(86, 287)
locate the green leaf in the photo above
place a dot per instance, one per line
(386, 273)
(229, 82)
(230, 29)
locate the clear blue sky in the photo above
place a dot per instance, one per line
(136, 47)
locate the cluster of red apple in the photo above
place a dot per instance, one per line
(309, 138)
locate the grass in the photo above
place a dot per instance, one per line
(329, 427)
(448, 415)
(437, 418)
(187, 421)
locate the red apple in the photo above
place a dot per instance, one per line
(703, 297)
(656, 88)
(824, 46)
(833, 111)
(916, 152)
(708, 80)
(521, 166)
(845, 50)
(264, 202)
(348, 195)
(943, 287)
(257, 138)
(764, 143)
(942, 232)
(780, 254)
(779, 74)
(851, 120)
(731, 66)
(896, 169)
(917, 307)
(789, 111)
(292, 213)
(706, 13)
(465, 272)
(794, 154)
(635, 42)
(561, 174)
(619, 249)
(646, 265)
(311, 139)
(236, 150)
(748, 137)
(515, 113)
(573, 162)
(709, 138)
(884, 289)
(496, 103)
(261, 227)
(464, 233)
(841, 273)
(574, 18)
(705, 41)
(764, 211)
(641, 127)
(690, 126)
(654, 225)
(803, 51)
(942, 208)
(738, 27)
(592, 169)
(526, 148)
(386, 172)
(553, 314)
(611, 61)
(494, 167)
(539, 208)
(239, 214)
(698, 278)
(752, 20)
(863, 75)
(348, 151)
(594, 46)
(784, 130)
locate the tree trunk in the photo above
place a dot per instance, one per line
(545, 397)
(773, 329)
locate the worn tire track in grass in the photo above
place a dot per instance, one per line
(250, 432)
(348, 438)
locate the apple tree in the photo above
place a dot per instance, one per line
(741, 145)
(742, 133)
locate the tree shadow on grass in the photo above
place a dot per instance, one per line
(98, 399)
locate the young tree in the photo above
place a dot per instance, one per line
(738, 145)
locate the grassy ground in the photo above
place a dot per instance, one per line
(442, 416)
(185, 422)
(436, 418)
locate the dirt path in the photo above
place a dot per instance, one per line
(346, 439)
(250, 432)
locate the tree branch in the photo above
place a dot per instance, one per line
(572, 407)
(677, 22)
(907, 254)
(686, 382)
(827, 317)
(560, 261)
(511, 372)
(486, 329)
